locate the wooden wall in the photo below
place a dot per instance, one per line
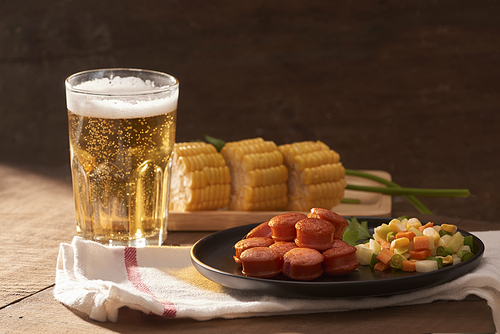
(410, 87)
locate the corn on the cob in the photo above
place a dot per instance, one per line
(258, 176)
(200, 178)
(316, 176)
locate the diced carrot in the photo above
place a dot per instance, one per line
(409, 265)
(420, 255)
(385, 255)
(421, 243)
(423, 227)
(380, 266)
(405, 234)
(385, 244)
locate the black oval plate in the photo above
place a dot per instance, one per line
(212, 256)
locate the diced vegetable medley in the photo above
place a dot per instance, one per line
(408, 245)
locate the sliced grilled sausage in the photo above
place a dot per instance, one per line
(245, 244)
(303, 264)
(283, 225)
(339, 222)
(261, 262)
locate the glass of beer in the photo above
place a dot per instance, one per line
(122, 133)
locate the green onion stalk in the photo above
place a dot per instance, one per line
(410, 194)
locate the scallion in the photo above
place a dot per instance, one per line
(410, 194)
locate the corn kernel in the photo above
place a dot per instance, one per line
(414, 222)
(201, 178)
(447, 259)
(258, 176)
(396, 226)
(449, 228)
(400, 242)
(316, 177)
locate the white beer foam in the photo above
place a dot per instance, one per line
(111, 106)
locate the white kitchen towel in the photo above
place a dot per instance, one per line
(98, 280)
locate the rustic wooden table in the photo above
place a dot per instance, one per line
(36, 215)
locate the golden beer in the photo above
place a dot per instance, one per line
(121, 142)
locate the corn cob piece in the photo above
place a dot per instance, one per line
(316, 176)
(258, 176)
(200, 178)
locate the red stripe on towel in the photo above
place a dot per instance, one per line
(134, 276)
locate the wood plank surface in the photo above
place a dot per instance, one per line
(41, 313)
(36, 215)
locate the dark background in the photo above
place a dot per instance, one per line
(408, 87)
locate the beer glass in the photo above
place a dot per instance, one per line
(122, 132)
